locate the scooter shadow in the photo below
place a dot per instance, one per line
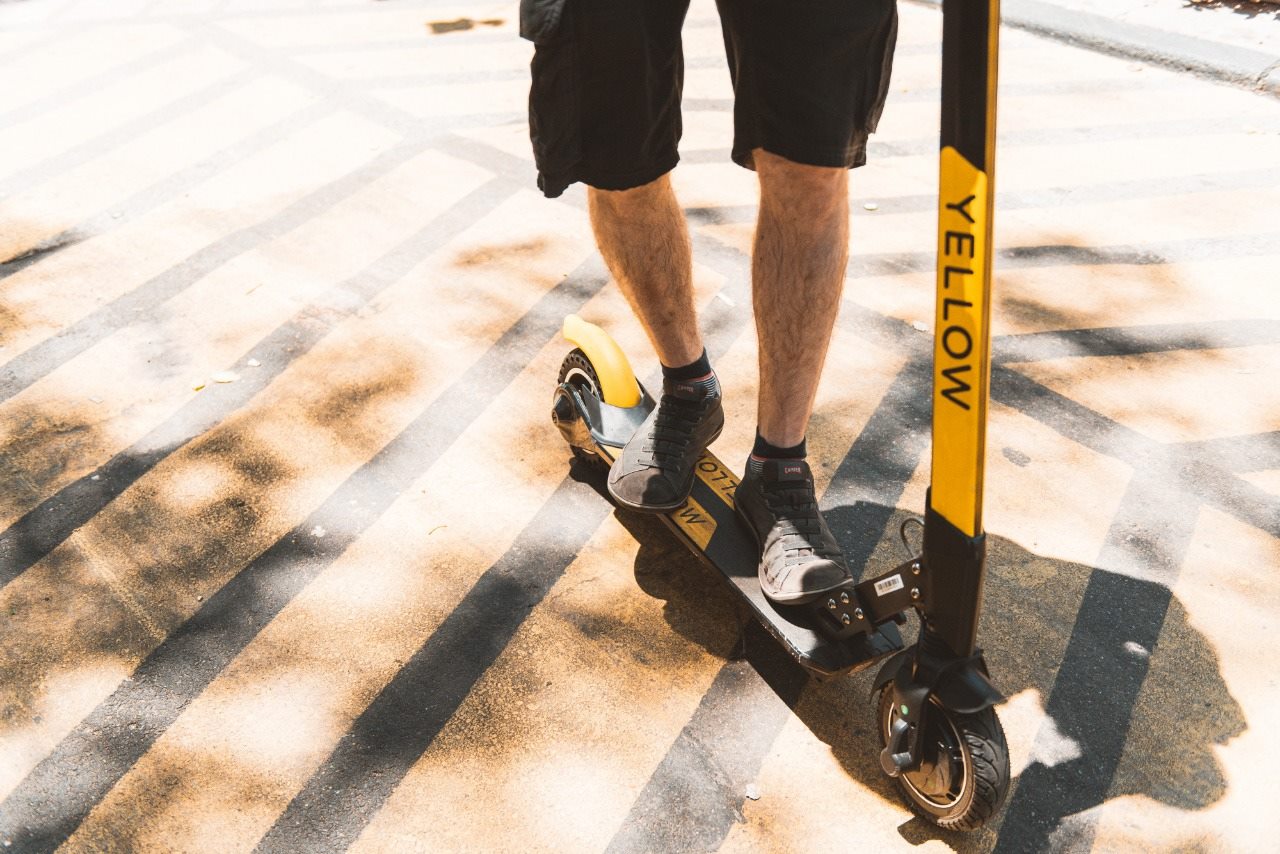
(1035, 613)
(698, 604)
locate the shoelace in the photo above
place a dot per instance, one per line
(671, 433)
(795, 508)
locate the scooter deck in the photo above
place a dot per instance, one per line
(710, 527)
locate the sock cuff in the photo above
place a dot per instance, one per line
(765, 450)
(698, 369)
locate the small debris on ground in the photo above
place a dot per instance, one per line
(919, 326)
(1134, 648)
(225, 377)
(461, 24)
(753, 791)
(318, 531)
(871, 206)
(253, 363)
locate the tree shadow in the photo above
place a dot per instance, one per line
(1248, 8)
(137, 561)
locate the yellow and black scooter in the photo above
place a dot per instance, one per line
(939, 734)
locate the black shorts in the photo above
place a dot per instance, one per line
(809, 81)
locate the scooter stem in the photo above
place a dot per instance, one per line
(954, 542)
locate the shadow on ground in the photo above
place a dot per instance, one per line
(1161, 745)
(1248, 8)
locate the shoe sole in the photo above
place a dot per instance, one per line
(664, 508)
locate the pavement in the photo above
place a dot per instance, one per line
(291, 558)
(1234, 41)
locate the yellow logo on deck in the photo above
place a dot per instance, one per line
(713, 473)
(696, 522)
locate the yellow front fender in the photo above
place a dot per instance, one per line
(617, 381)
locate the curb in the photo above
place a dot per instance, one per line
(1240, 66)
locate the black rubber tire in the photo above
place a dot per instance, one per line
(978, 750)
(577, 370)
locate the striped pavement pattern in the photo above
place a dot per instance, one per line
(357, 598)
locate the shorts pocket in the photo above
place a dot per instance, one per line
(555, 108)
(540, 19)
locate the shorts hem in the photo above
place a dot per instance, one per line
(554, 184)
(849, 157)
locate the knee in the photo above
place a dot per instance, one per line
(630, 197)
(792, 184)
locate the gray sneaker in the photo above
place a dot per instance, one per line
(799, 558)
(654, 473)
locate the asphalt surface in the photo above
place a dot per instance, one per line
(292, 559)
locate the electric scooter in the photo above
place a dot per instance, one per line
(940, 737)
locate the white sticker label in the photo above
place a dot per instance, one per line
(888, 585)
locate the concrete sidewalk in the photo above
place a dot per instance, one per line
(1236, 42)
(292, 559)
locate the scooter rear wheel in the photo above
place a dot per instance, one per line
(577, 371)
(964, 775)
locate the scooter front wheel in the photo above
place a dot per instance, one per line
(964, 773)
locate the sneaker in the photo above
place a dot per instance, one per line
(655, 471)
(799, 558)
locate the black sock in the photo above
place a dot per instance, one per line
(762, 451)
(773, 452)
(695, 370)
(697, 373)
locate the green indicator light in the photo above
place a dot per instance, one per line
(904, 710)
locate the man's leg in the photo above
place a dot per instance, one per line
(798, 263)
(797, 271)
(644, 239)
(604, 109)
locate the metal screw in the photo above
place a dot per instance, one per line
(831, 603)
(915, 567)
(844, 618)
(857, 612)
(915, 592)
(844, 598)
